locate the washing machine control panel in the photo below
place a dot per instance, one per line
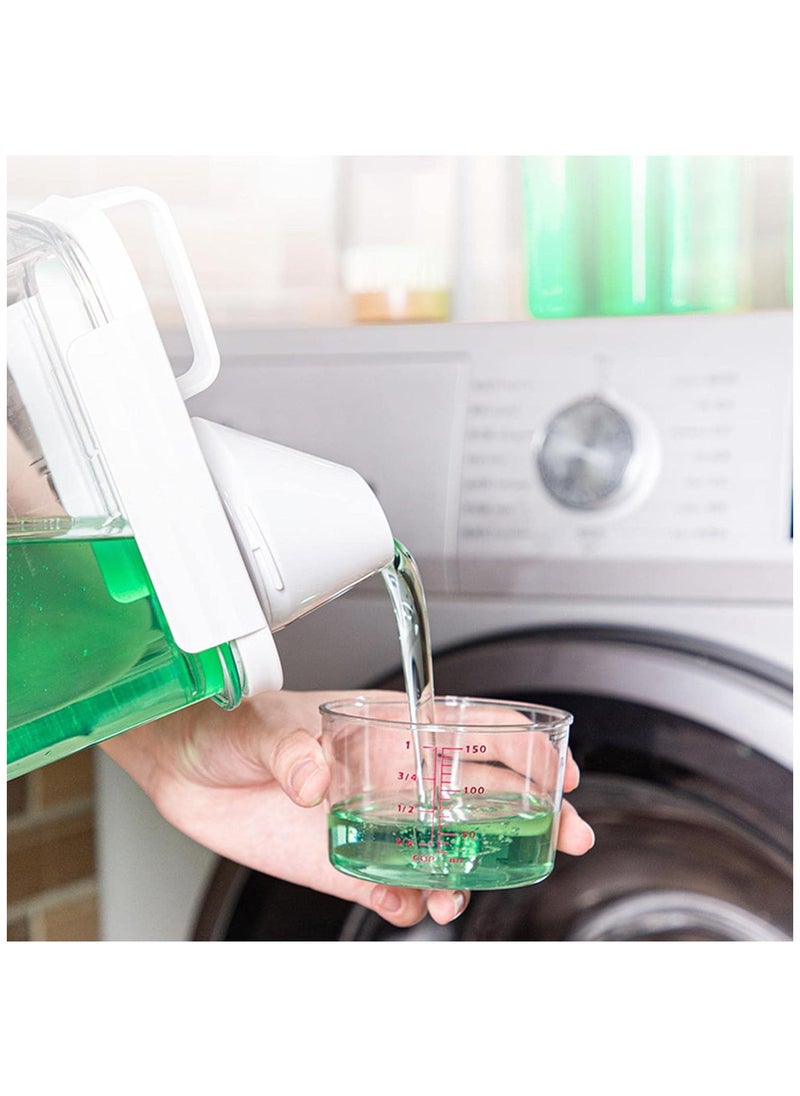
(608, 458)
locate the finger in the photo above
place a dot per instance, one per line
(399, 906)
(574, 835)
(297, 763)
(446, 906)
(572, 774)
(404, 907)
(250, 748)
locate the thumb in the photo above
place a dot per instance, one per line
(297, 763)
(252, 746)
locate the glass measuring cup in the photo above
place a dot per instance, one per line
(469, 801)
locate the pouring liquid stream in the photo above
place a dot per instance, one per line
(407, 596)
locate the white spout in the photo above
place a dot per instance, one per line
(308, 529)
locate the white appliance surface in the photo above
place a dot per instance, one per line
(445, 422)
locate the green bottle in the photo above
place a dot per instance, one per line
(626, 235)
(701, 233)
(556, 207)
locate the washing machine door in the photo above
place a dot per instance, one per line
(685, 756)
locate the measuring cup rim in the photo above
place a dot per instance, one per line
(348, 707)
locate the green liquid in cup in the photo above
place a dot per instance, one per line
(481, 842)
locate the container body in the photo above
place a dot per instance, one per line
(470, 801)
(90, 653)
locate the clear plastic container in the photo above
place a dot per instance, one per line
(471, 800)
(397, 232)
(89, 649)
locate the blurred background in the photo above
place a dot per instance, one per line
(329, 240)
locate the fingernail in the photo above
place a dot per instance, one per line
(459, 902)
(591, 831)
(306, 782)
(387, 900)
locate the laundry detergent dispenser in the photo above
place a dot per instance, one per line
(151, 555)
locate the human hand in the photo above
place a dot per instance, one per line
(249, 784)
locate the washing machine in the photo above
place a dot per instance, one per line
(601, 510)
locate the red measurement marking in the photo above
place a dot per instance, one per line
(446, 771)
(442, 775)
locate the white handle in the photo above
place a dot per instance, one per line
(205, 363)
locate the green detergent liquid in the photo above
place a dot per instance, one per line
(89, 651)
(508, 841)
